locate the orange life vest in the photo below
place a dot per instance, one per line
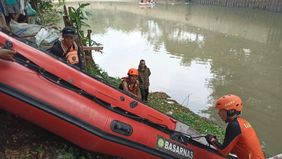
(71, 54)
(132, 87)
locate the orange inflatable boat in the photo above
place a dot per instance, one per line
(60, 98)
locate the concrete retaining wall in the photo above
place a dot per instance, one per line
(271, 5)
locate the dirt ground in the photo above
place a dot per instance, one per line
(20, 139)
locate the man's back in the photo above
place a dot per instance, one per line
(248, 145)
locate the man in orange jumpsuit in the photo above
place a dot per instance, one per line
(240, 138)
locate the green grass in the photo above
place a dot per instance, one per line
(183, 114)
(96, 71)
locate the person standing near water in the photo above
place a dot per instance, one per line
(240, 137)
(144, 73)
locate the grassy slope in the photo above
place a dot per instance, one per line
(183, 114)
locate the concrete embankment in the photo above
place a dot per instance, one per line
(271, 5)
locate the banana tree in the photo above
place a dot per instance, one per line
(78, 17)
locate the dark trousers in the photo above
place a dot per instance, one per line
(144, 94)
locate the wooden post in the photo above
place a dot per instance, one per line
(89, 36)
(89, 62)
(66, 18)
(87, 53)
(65, 10)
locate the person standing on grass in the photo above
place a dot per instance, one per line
(144, 73)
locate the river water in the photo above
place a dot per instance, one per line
(199, 53)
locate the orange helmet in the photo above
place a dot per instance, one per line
(132, 72)
(229, 102)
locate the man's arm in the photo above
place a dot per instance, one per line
(233, 131)
(124, 86)
(6, 54)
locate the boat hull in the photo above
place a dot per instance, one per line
(90, 124)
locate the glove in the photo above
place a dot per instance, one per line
(211, 139)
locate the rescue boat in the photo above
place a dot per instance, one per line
(147, 4)
(87, 112)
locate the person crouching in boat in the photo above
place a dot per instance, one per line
(6, 54)
(67, 48)
(240, 138)
(130, 83)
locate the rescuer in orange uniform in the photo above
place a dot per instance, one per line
(240, 138)
(130, 83)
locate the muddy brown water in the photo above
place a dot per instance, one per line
(198, 53)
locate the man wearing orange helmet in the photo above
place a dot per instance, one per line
(131, 84)
(240, 137)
